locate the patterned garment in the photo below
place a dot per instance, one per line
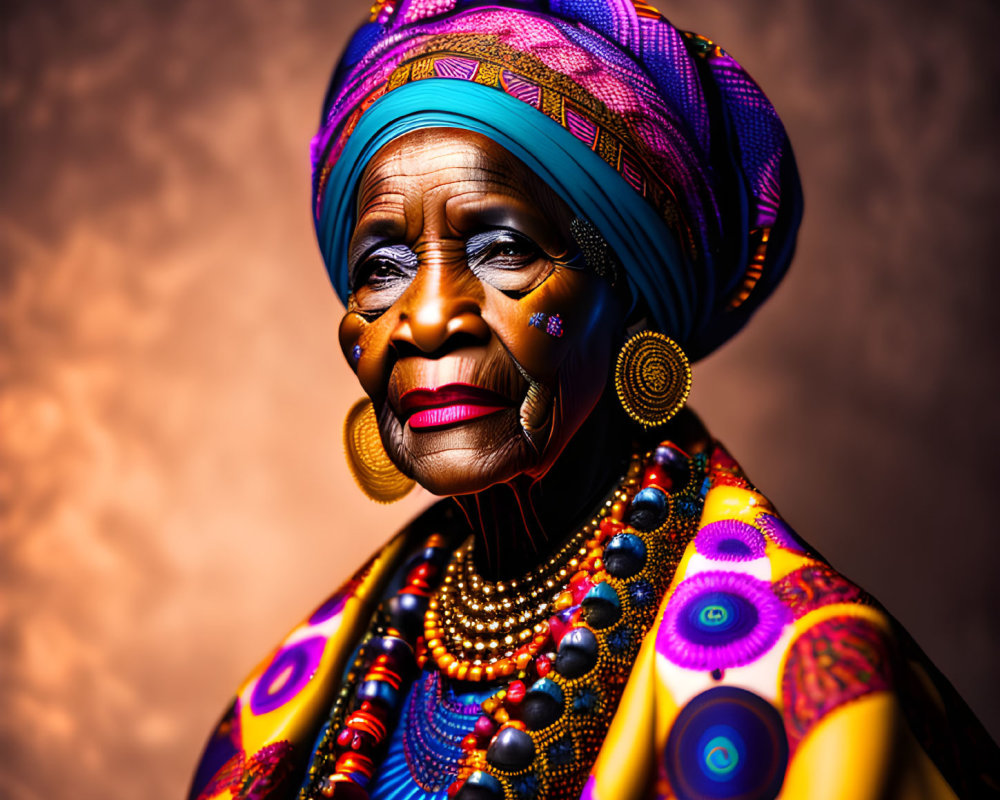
(762, 665)
(660, 122)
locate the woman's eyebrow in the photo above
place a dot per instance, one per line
(470, 213)
(374, 229)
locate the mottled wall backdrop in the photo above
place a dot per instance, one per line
(171, 394)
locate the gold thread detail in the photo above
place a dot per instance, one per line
(652, 378)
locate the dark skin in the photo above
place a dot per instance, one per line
(457, 244)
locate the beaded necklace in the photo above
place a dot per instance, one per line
(433, 732)
(539, 733)
(426, 748)
(479, 630)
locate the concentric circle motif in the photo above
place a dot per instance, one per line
(288, 673)
(652, 378)
(730, 540)
(720, 620)
(779, 532)
(370, 465)
(727, 743)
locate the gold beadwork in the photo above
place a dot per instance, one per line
(652, 378)
(370, 465)
(461, 622)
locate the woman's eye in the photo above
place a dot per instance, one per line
(511, 249)
(500, 245)
(381, 269)
(507, 260)
(382, 276)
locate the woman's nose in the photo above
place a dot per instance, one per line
(440, 313)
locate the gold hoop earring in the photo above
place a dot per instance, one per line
(370, 465)
(652, 378)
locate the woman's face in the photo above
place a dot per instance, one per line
(482, 342)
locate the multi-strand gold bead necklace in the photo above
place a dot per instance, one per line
(481, 630)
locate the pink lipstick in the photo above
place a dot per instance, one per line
(449, 405)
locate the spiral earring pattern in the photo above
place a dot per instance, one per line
(652, 378)
(370, 465)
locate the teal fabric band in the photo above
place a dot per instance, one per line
(593, 189)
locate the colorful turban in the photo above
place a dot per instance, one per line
(656, 136)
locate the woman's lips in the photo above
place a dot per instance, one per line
(449, 405)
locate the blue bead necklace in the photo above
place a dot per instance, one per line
(427, 746)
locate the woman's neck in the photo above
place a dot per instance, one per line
(518, 524)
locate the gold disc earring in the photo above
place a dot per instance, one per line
(370, 465)
(652, 378)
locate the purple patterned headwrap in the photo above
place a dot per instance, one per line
(706, 204)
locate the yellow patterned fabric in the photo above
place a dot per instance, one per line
(828, 678)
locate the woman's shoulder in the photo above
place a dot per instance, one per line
(752, 604)
(757, 622)
(265, 737)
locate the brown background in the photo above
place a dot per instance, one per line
(173, 494)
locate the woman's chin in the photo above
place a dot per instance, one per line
(465, 457)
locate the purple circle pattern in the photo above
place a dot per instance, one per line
(730, 540)
(779, 532)
(705, 594)
(289, 671)
(332, 606)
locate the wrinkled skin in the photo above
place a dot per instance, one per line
(456, 245)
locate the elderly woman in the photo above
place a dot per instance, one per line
(536, 212)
